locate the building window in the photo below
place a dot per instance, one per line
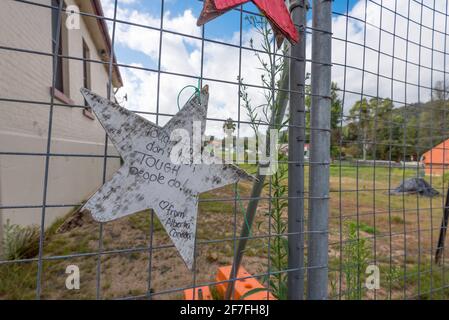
(86, 79)
(86, 67)
(57, 46)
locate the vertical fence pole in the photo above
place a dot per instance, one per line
(443, 230)
(319, 151)
(296, 133)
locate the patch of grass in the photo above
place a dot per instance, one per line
(397, 220)
(215, 206)
(20, 242)
(446, 177)
(18, 281)
(134, 256)
(135, 292)
(79, 245)
(432, 285)
(355, 260)
(106, 285)
(250, 168)
(364, 227)
(394, 276)
(56, 246)
(214, 293)
(142, 221)
(53, 228)
(426, 282)
(369, 173)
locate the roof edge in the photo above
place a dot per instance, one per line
(96, 5)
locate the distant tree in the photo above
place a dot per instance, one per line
(439, 115)
(336, 113)
(376, 128)
(229, 125)
(440, 92)
(372, 128)
(336, 110)
(360, 117)
(382, 137)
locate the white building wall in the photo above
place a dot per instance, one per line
(27, 76)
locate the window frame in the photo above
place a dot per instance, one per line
(58, 74)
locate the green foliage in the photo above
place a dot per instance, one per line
(214, 206)
(142, 222)
(364, 227)
(336, 117)
(20, 242)
(373, 125)
(18, 281)
(272, 64)
(446, 177)
(375, 128)
(214, 293)
(271, 112)
(229, 125)
(53, 229)
(432, 282)
(279, 244)
(356, 255)
(424, 281)
(394, 275)
(251, 292)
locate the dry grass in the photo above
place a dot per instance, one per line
(400, 232)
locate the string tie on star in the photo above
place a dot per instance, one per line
(197, 92)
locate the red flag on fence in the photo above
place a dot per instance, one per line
(274, 10)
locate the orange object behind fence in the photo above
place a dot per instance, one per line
(241, 287)
(436, 160)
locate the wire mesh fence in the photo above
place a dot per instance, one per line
(347, 214)
(395, 110)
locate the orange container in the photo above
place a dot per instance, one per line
(201, 293)
(241, 287)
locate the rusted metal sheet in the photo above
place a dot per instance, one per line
(275, 11)
(149, 178)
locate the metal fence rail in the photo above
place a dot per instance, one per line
(333, 229)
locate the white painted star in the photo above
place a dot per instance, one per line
(148, 178)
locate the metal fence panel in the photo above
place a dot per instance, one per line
(341, 224)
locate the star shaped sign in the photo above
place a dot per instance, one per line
(274, 10)
(149, 178)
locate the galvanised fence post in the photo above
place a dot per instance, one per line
(296, 133)
(319, 151)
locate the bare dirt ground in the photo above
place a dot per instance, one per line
(400, 235)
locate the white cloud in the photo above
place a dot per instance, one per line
(183, 55)
(383, 64)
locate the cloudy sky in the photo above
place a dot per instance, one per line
(139, 46)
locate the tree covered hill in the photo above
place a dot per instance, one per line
(375, 128)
